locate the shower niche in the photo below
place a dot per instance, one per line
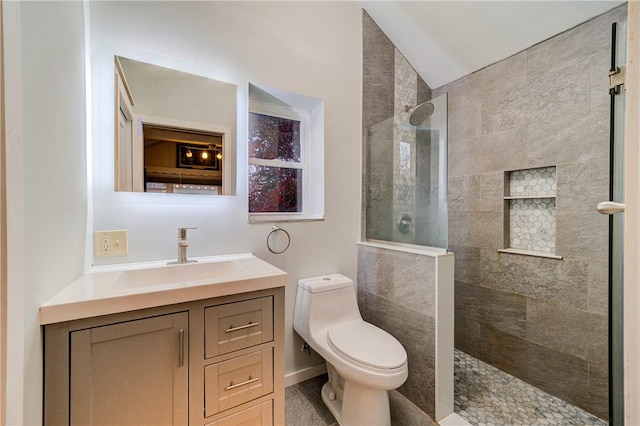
(530, 212)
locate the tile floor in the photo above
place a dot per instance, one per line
(304, 407)
(303, 404)
(484, 396)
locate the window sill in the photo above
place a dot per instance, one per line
(530, 253)
(278, 218)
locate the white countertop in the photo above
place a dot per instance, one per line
(128, 287)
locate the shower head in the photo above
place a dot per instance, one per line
(421, 113)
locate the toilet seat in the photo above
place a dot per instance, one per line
(367, 344)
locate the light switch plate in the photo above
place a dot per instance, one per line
(110, 243)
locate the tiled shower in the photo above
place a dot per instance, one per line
(404, 190)
(528, 142)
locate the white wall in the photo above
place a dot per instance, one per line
(162, 92)
(46, 180)
(311, 48)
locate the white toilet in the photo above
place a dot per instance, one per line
(363, 361)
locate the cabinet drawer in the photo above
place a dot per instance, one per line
(238, 325)
(238, 380)
(258, 415)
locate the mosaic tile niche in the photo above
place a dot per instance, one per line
(532, 209)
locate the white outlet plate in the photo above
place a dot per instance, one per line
(110, 243)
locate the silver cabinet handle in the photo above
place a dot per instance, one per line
(610, 207)
(181, 348)
(242, 327)
(246, 382)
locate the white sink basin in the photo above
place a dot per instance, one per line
(176, 275)
(120, 288)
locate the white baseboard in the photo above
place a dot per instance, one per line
(305, 374)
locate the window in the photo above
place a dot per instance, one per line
(276, 163)
(286, 164)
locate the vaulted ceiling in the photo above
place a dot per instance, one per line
(445, 40)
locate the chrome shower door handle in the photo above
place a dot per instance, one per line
(610, 207)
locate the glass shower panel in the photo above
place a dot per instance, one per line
(406, 176)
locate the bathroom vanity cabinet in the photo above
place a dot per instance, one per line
(130, 372)
(216, 361)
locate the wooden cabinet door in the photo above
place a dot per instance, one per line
(258, 415)
(134, 372)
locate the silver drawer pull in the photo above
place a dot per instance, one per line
(242, 327)
(246, 382)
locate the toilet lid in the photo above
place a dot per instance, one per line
(367, 344)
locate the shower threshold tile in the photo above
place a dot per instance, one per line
(485, 395)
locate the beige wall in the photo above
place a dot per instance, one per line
(632, 223)
(3, 240)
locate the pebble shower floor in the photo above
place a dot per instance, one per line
(487, 396)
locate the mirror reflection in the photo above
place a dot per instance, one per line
(174, 130)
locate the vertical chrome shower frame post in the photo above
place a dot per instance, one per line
(615, 209)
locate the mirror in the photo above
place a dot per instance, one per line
(174, 131)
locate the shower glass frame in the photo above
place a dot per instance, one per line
(616, 231)
(406, 179)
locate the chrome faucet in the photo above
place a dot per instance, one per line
(182, 248)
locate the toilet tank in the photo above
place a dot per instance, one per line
(324, 301)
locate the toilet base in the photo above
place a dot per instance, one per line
(361, 405)
(334, 405)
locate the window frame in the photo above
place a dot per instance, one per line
(288, 113)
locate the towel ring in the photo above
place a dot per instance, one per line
(276, 228)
